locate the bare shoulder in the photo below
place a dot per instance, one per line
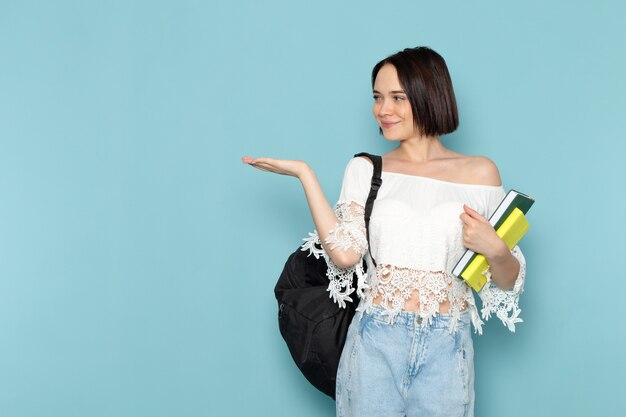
(482, 170)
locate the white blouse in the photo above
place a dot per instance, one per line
(416, 239)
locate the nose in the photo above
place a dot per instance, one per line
(384, 108)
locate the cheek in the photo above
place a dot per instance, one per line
(406, 111)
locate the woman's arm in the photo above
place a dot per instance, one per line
(480, 236)
(323, 214)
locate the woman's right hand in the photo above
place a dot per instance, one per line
(279, 166)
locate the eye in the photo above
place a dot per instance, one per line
(377, 97)
(399, 98)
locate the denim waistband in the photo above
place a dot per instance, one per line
(416, 318)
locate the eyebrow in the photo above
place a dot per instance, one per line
(392, 92)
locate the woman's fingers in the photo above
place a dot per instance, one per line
(465, 218)
(278, 166)
(266, 164)
(252, 161)
(478, 234)
(470, 211)
(473, 213)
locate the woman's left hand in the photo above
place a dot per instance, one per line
(480, 236)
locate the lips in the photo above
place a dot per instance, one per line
(387, 125)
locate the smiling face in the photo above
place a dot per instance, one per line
(392, 108)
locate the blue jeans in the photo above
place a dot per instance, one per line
(406, 369)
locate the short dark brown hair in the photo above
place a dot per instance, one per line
(424, 77)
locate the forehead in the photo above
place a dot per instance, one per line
(387, 79)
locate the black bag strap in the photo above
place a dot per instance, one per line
(377, 181)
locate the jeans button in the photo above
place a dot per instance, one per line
(418, 320)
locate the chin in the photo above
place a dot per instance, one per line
(392, 137)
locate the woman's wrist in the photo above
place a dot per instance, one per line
(499, 253)
(305, 173)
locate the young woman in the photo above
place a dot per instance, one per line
(409, 349)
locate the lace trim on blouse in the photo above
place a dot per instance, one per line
(505, 304)
(349, 232)
(396, 285)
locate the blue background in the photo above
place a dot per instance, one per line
(138, 254)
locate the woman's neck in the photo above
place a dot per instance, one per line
(420, 149)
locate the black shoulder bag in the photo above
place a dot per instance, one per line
(313, 326)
